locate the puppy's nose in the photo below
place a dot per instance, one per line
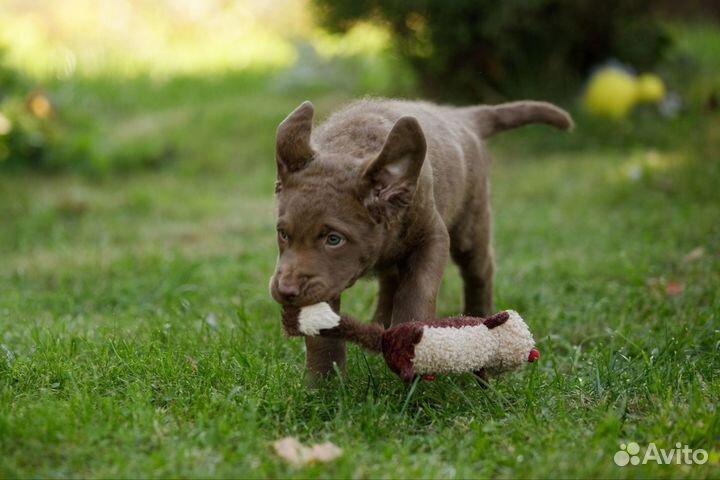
(288, 290)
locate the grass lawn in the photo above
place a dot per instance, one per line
(138, 338)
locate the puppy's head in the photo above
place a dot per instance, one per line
(334, 210)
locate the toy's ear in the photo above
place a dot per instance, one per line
(496, 320)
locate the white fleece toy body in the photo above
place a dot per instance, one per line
(474, 347)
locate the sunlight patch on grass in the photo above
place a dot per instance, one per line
(90, 37)
(363, 38)
(51, 38)
(647, 163)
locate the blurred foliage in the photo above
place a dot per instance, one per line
(49, 132)
(126, 81)
(162, 37)
(484, 50)
(692, 65)
(28, 126)
(103, 87)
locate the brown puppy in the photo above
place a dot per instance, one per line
(392, 188)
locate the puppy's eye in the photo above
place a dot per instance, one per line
(334, 240)
(282, 235)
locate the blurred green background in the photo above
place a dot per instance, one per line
(137, 237)
(99, 87)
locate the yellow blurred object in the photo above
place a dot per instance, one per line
(651, 88)
(5, 125)
(613, 92)
(40, 106)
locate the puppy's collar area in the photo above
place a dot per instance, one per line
(314, 318)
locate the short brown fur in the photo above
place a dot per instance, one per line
(403, 186)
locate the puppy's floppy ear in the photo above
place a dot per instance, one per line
(292, 148)
(391, 178)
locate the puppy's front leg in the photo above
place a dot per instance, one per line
(323, 353)
(420, 277)
(388, 285)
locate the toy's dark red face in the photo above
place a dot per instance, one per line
(398, 346)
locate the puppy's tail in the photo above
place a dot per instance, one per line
(492, 119)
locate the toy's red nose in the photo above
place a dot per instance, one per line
(534, 355)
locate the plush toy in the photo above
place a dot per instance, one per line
(452, 345)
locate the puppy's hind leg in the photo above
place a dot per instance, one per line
(471, 249)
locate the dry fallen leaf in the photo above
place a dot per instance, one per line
(661, 288)
(290, 450)
(694, 254)
(297, 454)
(674, 288)
(193, 364)
(325, 452)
